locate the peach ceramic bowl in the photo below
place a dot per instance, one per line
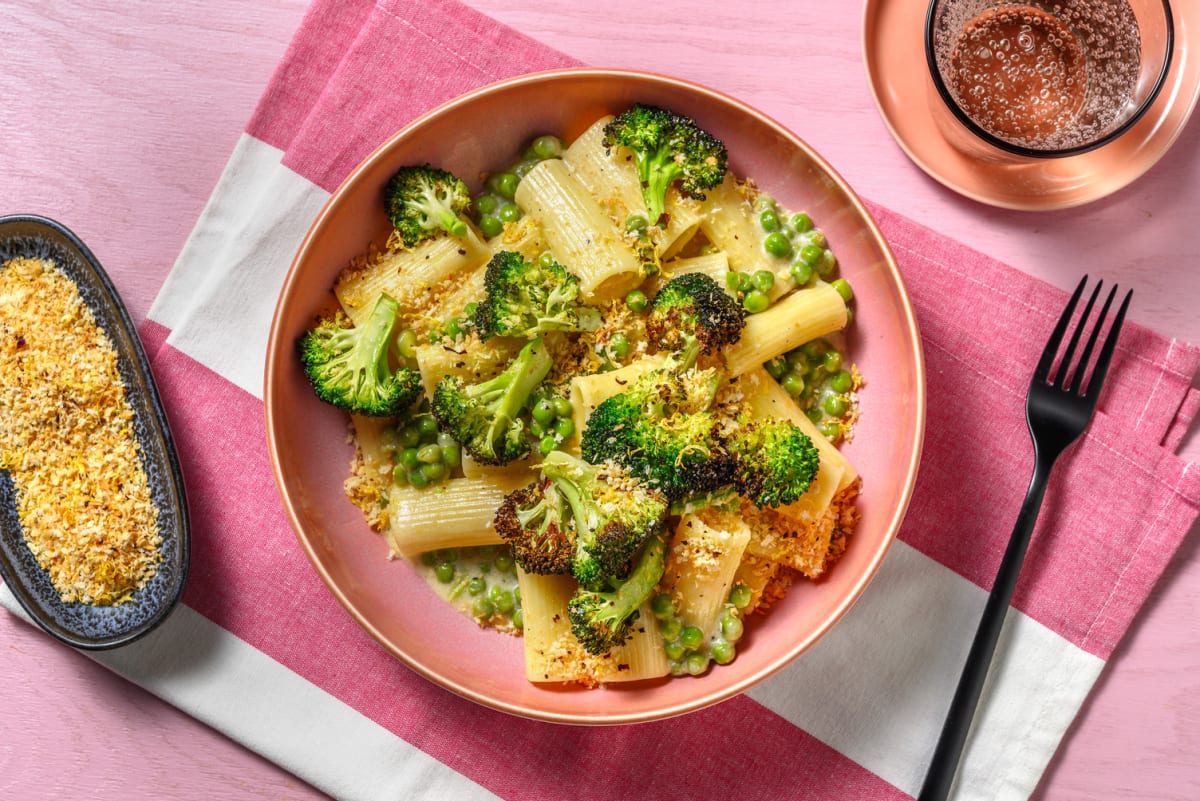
(485, 130)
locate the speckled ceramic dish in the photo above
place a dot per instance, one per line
(307, 440)
(84, 625)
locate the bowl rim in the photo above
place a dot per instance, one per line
(894, 518)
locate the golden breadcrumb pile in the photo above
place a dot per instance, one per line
(66, 439)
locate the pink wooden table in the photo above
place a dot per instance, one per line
(117, 118)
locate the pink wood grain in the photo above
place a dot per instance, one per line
(117, 120)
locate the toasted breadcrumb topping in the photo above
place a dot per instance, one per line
(67, 441)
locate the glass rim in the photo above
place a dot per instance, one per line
(991, 139)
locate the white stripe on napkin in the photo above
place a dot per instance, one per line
(877, 687)
(199, 667)
(220, 296)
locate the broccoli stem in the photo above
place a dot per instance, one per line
(507, 393)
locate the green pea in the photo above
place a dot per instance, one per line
(835, 406)
(636, 222)
(429, 558)
(409, 436)
(546, 260)
(509, 212)
(444, 572)
(769, 220)
(445, 440)
(843, 288)
(731, 280)
(722, 652)
(429, 454)
(778, 245)
(670, 628)
(406, 343)
(691, 637)
(483, 608)
(793, 384)
(490, 226)
(814, 351)
(400, 475)
(477, 585)
(543, 411)
(537, 428)
(830, 429)
(504, 184)
(697, 664)
(547, 444)
(564, 427)
(832, 361)
(732, 628)
(802, 223)
(756, 301)
(744, 284)
(662, 605)
(428, 427)
(618, 345)
(564, 407)
(841, 382)
(763, 280)
(776, 368)
(547, 147)
(636, 300)
(518, 619)
(486, 204)
(417, 479)
(673, 650)
(740, 596)
(504, 562)
(505, 603)
(408, 458)
(802, 272)
(827, 264)
(434, 472)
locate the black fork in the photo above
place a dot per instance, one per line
(1058, 409)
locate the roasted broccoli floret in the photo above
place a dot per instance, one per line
(348, 365)
(535, 521)
(485, 418)
(602, 619)
(422, 201)
(693, 315)
(663, 433)
(525, 299)
(667, 147)
(578, 518)
(775, 462)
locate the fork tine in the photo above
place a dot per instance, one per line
(1042, 372)
(1064, 366)
(1110, 345)
(1081, 368)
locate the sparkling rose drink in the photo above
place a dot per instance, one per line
(1041, 76)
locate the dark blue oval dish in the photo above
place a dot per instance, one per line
(83, 625)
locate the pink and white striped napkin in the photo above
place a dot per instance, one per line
(280, 667)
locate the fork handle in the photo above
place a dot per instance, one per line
(946, 755)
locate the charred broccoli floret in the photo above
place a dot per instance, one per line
(775, 462)
(667, 147)
(485, 418)
(534, 520)
(693, 315)
(422, 201)
(578, 518)
(602, 619)
(348, 365)
(525, 299)
(662, 431)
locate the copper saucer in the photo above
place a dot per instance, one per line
(893, 48)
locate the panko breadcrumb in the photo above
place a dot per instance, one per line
(67, 441)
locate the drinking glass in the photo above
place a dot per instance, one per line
(1017, 81)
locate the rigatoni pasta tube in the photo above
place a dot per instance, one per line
(578, 231)
(800, 317)
(400, 272)
(701, 563)
(458, 515)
